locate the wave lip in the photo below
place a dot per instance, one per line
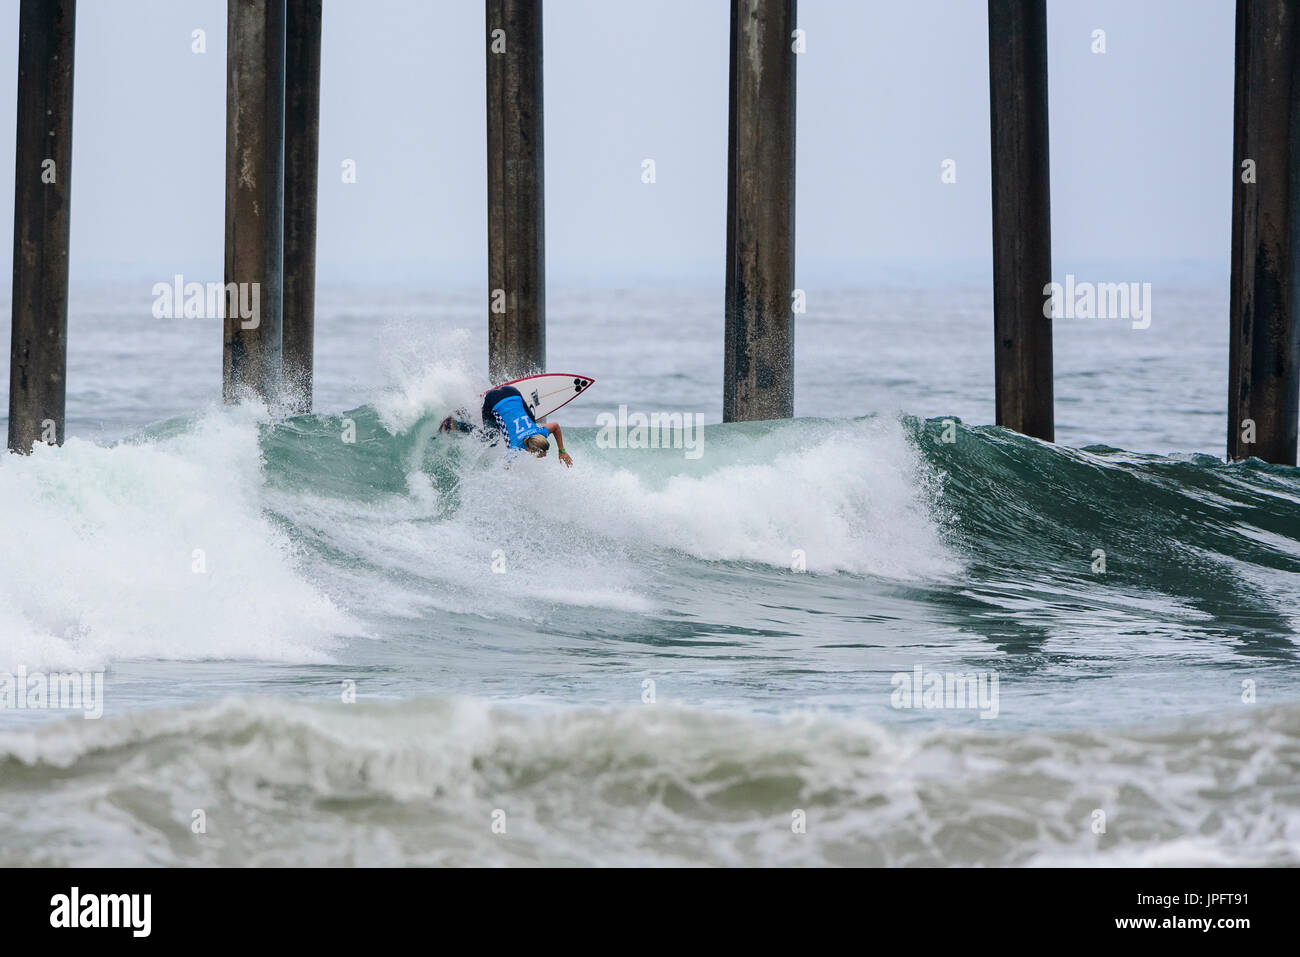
(422, 781)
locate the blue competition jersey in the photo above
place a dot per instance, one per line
(516, 422)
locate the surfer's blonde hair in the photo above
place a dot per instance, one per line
(537, 443)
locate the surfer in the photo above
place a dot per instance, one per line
(506, 415)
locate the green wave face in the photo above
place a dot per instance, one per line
(1011, 537)
(1214, 545)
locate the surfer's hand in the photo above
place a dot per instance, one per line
(566, 459)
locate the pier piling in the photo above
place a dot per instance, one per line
(1022, 233)
(1264, 345)
(252, 355)
(758, 372)
(516, 190)
(38, 349)
(301, 157)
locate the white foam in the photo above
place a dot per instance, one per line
(417, 782)
(851, 496)
(97, 555)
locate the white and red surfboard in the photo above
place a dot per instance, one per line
(549, 391)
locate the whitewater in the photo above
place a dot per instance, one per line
(348, 639)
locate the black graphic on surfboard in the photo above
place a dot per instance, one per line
(549, 391)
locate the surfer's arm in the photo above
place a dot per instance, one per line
(554, 429)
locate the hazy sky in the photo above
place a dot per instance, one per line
(1141, 136)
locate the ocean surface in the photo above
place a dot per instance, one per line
(343, 638)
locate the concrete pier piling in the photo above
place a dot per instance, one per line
(38, 350)
(516, 190)
(252, 356)
(1264, 345)
(301, 158)
(758, 373)
(1022, 232)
